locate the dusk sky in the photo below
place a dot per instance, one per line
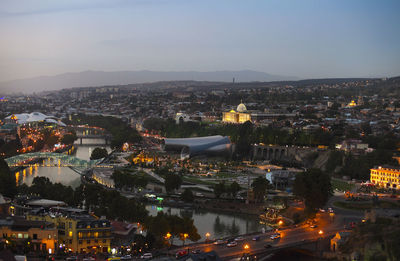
(307, 39)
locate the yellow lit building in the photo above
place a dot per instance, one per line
(80, 234)
(143, 158)
(39, 236)
(387, 177)
(352, 104)
(239, 116)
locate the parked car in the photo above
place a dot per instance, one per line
(238, 239)
(220, 242)
(147, 256)
(256, 238)
(232, 244)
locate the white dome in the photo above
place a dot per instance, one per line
(241, 108)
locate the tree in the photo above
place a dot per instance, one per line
(234, 188)
(314, 186)
(187, 195)
(172, 182)
(68, 138)
(98, 153)
(163, 223)
(260, 186)
(219, 189)
(8, 185)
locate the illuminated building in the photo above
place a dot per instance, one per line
(387, 177)
(103, 177)
(78, 232)
(189, 147)
(142, 158)
(352, 104)
(26, 118)
(239, 116)
(39, 235)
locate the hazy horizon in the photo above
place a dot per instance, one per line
(303, 39)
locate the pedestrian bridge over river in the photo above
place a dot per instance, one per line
(59, 160)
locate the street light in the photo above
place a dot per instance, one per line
(280, 223)
(207, 236)
(246, 247)
(320, 232)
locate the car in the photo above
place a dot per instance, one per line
(181, 253)
(313, 226)
(126, 257)
(232, 244)
(322, 210)
(72, 258)
(89, 259)
(267, 246)
(196, 251)
(220, 242)
(147, 256)
(238, 239)
(275, 236)
(256, 238)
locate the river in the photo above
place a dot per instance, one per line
(63, 175)
(217, 224)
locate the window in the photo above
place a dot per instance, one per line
(70, 224)
(70, 234)
(34, 236)
(4, 235)
(88, 241)
(19, 235)
(70, 241)
(80, 242)
(104, 241)
(25, 236)
(96, 234)
(79, 234)
(96, 241)
(49, 236)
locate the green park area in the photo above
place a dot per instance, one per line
(341, 185)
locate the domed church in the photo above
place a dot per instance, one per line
(239, 116)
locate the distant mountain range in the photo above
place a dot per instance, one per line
(101, 78)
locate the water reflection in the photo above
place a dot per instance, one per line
(217, 224)
(51, 169)
(221, 229)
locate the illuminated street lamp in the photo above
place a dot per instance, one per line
(320, 232)
(246, 247)
(185, 235)
(280, 223)
(207, 236)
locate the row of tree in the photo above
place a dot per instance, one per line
(93, 197)
(165, 227)
(129, 181)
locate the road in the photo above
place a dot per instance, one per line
(329, 224)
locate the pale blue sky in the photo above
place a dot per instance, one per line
(303, 38)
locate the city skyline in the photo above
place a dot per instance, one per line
(304, 39)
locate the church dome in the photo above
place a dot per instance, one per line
(241, 108)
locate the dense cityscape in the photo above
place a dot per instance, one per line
(133, 172)
(199, 130)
